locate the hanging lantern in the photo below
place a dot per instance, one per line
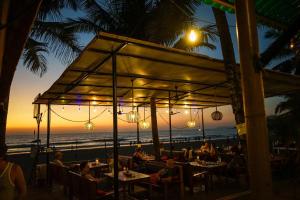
(144, 124)
(191, 124)
(89, 125)
(132, 116)
(217, 115)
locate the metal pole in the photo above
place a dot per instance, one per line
(170, 125)
(48, 141)
(253, 96)
(203, 129)
(115, 127)
(137, 127)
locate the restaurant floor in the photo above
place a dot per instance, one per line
(283, 190)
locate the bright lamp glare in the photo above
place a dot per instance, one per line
(192, 36)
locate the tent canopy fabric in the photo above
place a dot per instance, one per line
(149, 70)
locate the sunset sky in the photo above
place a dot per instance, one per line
(27, 85)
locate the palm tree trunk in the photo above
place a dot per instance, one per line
(16, 36)
(231, 69)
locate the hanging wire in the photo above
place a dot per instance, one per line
(167, 122)
(70, 120)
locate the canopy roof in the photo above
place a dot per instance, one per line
(155, 71)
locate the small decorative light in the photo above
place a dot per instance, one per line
(292, 45)
(217, 115)
(191, 124)
(89, 125)
(192, 36)
(186, 112)
(144, 124)
(132, 116)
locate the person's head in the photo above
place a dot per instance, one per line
(84, 167)
(170, 163)
(58, 155)
(206, 144)
(3, 150)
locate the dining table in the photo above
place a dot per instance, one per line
(127, 178)
(210, 168)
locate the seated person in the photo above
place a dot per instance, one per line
(212, 152)
(205, 148)
(138, 156)
(237, 164)
(58, 159)
(86, 173)
(167, 174)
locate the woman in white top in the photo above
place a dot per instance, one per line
(12, 181)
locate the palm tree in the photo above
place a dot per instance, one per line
(233, 76)
(151, 20)
(289, 110)
(48, 34)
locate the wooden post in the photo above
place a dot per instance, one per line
(155, 137)
(115, 127)
(253, 96)
(48, 142)
(203, 129)
(4, 8)
(170, 126)
(137, 127)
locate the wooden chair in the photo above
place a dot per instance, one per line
(126, 161)
(85, 189)
(155, 166)
(59, 175)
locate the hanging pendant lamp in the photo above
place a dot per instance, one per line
(191, 123)
(89, 125)
(216, 115)
(132, 116)
(144, 124)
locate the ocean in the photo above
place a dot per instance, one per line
(22, 143)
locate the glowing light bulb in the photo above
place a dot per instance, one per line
(144, 124)
(193, 36)
(89, 125)
(186, 112)
(292, 45)
(191, 124)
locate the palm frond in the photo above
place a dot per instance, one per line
(34, 56)
(60, 37)
(99, 15)
(52, 9)
(84, 25)
(285, 66)
(169, 18)
(273, 34)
